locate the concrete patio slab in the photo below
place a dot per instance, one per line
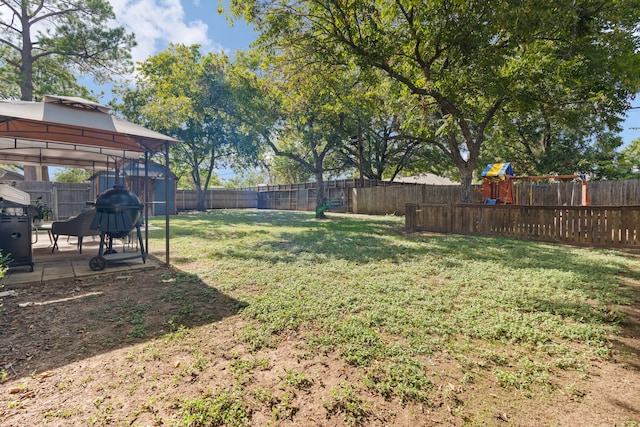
(68, 262)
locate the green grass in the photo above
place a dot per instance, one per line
(387, 301)
(346, 401)
(222, 408)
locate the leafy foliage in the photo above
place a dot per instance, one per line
(308, 125)
(73, 175)
(225, 408)
(41, 210)
(45, 44)
(628, 163)
(4, 263)
(475, 67)
(188, 95)
(385, 139)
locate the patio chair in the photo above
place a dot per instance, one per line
(78, 226)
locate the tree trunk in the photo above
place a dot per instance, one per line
(26, 67)
(320, 201)
(31, 173)
(466, 175)
(201, 199)
(360, 156)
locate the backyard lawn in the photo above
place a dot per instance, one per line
(276, 318)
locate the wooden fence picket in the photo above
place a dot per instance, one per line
(611, 226)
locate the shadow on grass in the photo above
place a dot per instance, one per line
(350, 238)
(285, 236)
(50, 325)
(601, 279)
(593, 280)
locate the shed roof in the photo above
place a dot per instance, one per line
(7, 175)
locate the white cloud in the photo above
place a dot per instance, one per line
(156, 23)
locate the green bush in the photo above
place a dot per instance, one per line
(4, 263)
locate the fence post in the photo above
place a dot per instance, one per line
(451, 209)
(411, 212)
(54, 202)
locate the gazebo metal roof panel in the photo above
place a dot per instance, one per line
(56, 131)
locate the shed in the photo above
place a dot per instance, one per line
(132, 174)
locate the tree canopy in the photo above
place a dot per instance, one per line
(471, 66)
(626, 164)
(73, 175)
(191, 96)
(46, 44)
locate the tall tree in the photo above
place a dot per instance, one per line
(309, 129)
(627, 162)
(288, 101)
(187, 95)
(380, 120)
(541, 144)
(468, 61)
(285, 171)
(44, 40)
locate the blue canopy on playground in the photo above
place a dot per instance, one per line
(498, 170)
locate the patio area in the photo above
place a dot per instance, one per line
(67, 262)
(73, 132)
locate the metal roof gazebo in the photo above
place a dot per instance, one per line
(75, 132)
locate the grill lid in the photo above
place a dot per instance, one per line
(117, 199)
(117, 211)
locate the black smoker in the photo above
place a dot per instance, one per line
(118, 212)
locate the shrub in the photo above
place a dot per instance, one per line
(4, 263)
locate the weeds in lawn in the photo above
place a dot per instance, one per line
(386, 301)
(297, 380)
(345, 400)
(223, 408)
(404, 377)
(60, 413)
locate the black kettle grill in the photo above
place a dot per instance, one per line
(118, 212)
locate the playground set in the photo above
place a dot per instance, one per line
(498, 179)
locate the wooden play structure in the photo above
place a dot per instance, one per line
(498, 179)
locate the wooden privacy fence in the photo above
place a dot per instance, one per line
(65, 199)
(367, 197)
(219, 198)
(385, 198)
(392, 199)
(303, 199)
(302, 196)
(611, 226)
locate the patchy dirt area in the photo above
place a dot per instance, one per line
(109, 350)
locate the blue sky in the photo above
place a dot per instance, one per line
(632, 123)
(156, 23)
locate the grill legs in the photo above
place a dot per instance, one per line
(100, 262)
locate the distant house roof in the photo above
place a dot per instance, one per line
(425, 178)
(7, 175)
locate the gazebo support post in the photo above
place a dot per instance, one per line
(166, 199)
(146, 199)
